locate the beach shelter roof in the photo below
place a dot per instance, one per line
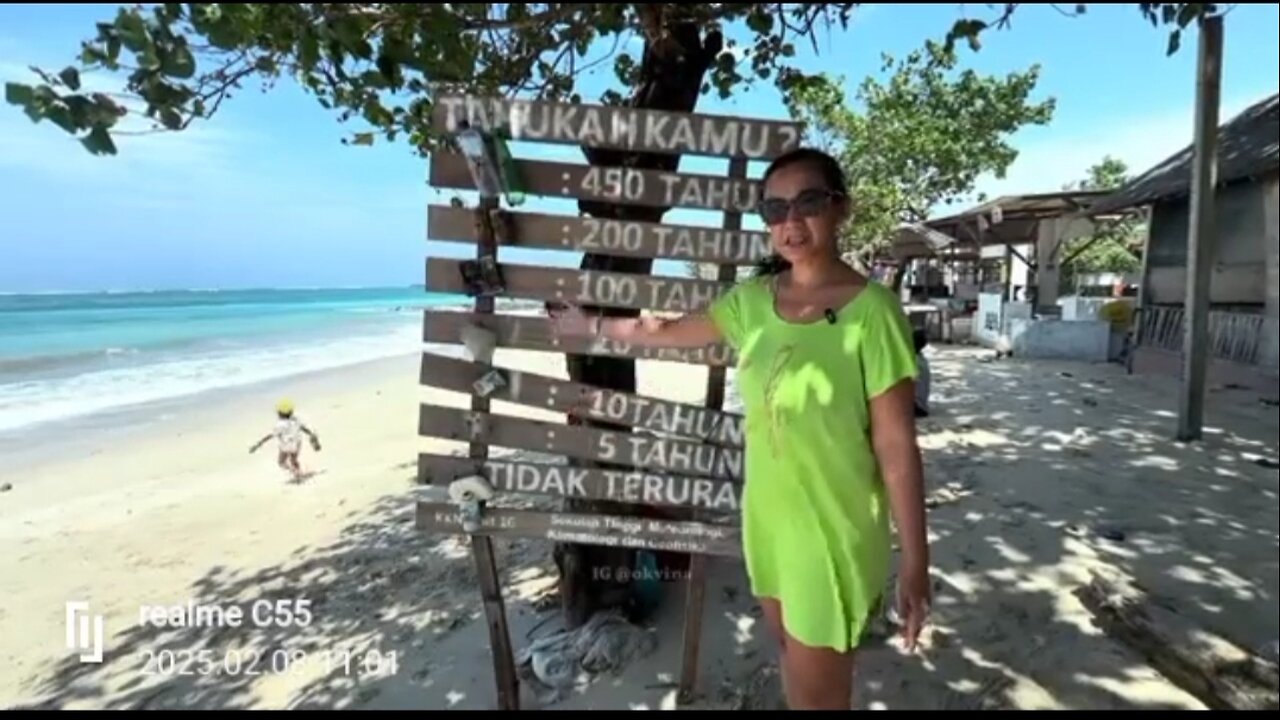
(1247, 147)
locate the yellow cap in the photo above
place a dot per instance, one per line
(284, 406)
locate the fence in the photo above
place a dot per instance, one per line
(1236, 337)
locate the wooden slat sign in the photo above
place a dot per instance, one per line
(606, 530)
(618, 128)
(655, 452)
(534, 333)
(587, 287)
(624, 486)
(587, 402)
(628, 186)
(630, 449)
(628, 238)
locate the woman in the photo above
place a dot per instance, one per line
(826, 365)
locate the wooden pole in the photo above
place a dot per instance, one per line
(495, 612)
(697, 580)
(1200, 237)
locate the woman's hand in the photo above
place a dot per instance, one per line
(893, 435)
(570, 321)
(915, 596)
(689, 331)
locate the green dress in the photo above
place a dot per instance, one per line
(815, 513)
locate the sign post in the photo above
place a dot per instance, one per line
(697, 582)
(488, 176)
(681, 457)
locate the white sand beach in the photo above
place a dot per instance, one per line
(1038, 473)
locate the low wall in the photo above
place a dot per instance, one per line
(1082, 340)
(1220, 373)
(1076, 307)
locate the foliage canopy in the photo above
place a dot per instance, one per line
(383, 62)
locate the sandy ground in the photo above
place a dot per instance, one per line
(1038, 472)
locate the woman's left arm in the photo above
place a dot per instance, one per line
(893, 437)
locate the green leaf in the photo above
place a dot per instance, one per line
(1175, 41)
(91, 55)
(99, 142)
(179, 63)
(132, 31)
(171, 119)
(59, 115)
(760, 21)
(365, 138)
(308, 51)
(18, 94)
(71, 78)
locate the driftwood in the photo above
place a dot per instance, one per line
(1218, 672)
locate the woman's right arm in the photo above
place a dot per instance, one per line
(687, 331)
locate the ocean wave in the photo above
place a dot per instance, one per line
(45, 364)
(121, 377)
(35, 402)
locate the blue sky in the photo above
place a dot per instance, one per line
(266, 196)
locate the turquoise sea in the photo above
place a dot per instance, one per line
(64, 356)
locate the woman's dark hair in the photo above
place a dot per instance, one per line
(832, 176)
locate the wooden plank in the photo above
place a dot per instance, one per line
(695, 600)
(628, 238)
(587, 287)
(1200, 238)
(608, 530)
(586, 401)
(1215, 670)
(627, 186)
(631, 449)
(534, 333)
(619, 128)
(624, 486)
(503, 655)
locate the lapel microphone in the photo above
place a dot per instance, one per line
(831, 316)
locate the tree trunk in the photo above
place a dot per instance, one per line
(671, 76)
(1220, 673)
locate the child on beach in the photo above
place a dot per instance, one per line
(288, 433)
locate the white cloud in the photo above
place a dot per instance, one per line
(1050, 158)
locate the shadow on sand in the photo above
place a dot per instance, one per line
(1047, 470)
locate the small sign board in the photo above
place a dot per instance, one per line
(586, 287)
(589, 529)
(522, 332)
(627, 238)
(581, 401)
(618, 128)
(619, 185)
(636, 450)
(638, 486)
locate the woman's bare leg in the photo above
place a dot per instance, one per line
(812, 678)
(820, 678)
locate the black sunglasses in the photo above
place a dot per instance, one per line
(808, 203)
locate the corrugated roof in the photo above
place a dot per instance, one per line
(1031, 205)
(1247, 146)
(912, 240)
(1013, 218)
